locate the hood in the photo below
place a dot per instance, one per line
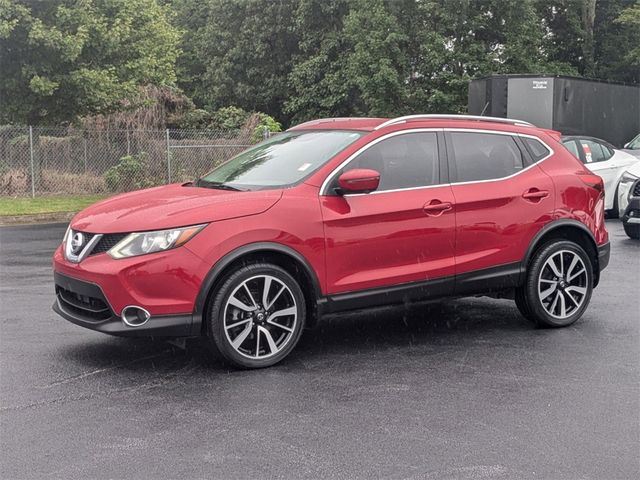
(634, 169)
(171, 206)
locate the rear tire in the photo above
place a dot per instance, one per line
(256, 316)
(632, 231)
(558, 285)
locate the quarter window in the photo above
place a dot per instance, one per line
(537, 149)
(404, 161)
(484, 156)
(572, 147)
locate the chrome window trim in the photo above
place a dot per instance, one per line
(351, 157)
(330, 177)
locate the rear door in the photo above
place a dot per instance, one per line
(599, 159)
(502, 200)
(399, 234)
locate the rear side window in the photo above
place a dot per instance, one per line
(536, 148)
(485, 156)
(595, 152)
(403, 161)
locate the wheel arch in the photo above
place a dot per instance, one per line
(286, 257)
(566, 229)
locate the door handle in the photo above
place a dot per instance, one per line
(535, 195)
(436, 207)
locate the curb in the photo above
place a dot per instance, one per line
(55, 217)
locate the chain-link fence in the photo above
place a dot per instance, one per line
(38, 161)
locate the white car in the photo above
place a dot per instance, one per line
(633, 147)
(629, 201)
(604, 160)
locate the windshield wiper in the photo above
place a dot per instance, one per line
(217, 185)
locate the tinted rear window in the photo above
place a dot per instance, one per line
(485, 156)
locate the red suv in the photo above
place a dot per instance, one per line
(341, 214)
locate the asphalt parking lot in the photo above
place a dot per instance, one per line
(460, 390)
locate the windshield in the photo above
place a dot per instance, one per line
(279, 161)
(634, 144)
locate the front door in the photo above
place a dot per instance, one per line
(401, 233)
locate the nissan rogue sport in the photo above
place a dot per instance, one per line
(335, 215)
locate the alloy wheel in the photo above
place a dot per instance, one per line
(562, 284)
(260, 317)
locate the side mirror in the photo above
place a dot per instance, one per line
(359, 180)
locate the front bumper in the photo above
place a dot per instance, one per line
(94, 292)
(631, 215)
(84, 304)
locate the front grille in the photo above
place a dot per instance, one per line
(107, 242)
(636, 189)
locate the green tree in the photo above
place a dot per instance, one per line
(351, 60)
(240, 53)
(596, 38)
(320, 84)
(630, 19)
(65, 58)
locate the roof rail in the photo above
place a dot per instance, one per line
(330, 119)
(478, 118)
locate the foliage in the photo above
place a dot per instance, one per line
(238, 52)
(64, 58)
(151, 108)
(128, 174)
(630, 19)
(118, 62)
(231, 118)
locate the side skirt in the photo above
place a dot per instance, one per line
(486, 281)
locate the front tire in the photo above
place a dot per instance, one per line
(256, 316)
(632, 230)
(558, 285)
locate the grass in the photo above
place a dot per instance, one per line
(30, 206)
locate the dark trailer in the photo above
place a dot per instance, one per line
(571, 105)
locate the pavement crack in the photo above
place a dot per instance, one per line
(81, 376)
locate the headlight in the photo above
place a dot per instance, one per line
(627, 178)
(150, 242)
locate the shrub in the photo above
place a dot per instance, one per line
(228, 118)
(129, 174)
(264, 123)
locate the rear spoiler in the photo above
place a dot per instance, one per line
(552, 133)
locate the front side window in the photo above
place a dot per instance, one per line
(408, 160)
(485, 156)
(280, 161)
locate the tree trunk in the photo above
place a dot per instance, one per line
(588, 48)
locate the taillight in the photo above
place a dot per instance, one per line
(593, 181)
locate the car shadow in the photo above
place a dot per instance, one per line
(449, 323)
